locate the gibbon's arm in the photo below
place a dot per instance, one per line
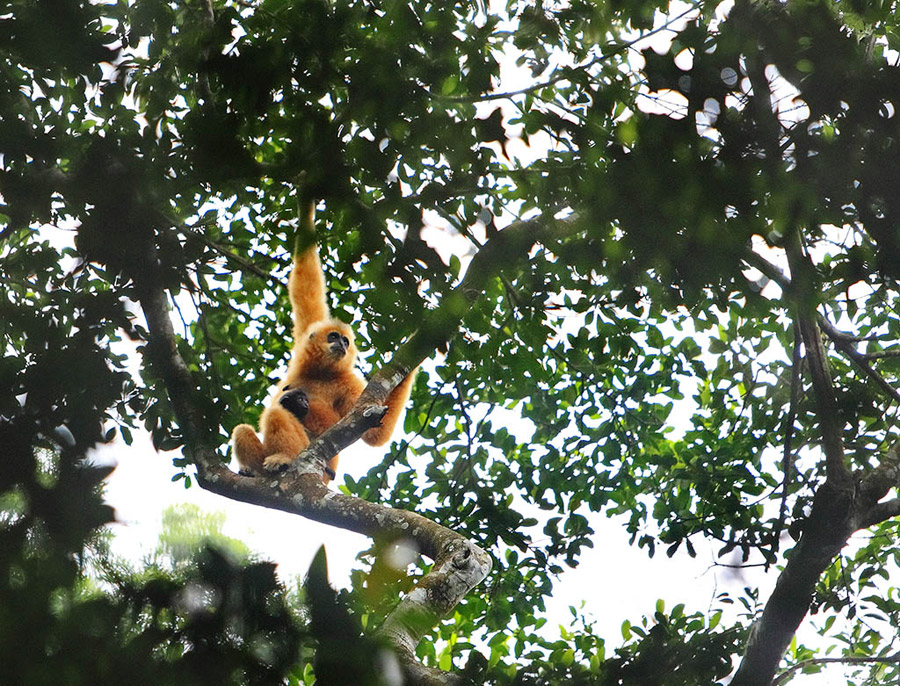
(396, 402)
(307, 282)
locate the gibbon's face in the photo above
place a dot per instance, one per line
(331, 344)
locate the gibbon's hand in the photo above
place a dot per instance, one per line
(373, 415)
(296, 402)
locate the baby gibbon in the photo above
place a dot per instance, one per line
(321, 385)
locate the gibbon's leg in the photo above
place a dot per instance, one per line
(284, 437)
(395, 402)
(251, 453)
(248, 449)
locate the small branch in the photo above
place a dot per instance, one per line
(849, 660)
(566, 75)
(787, 462)
(843, 342)
(881, 354)
(245, 264)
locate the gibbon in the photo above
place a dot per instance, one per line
(321, 385)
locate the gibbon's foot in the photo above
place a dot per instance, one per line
(278, 462)
(296, 402)
(246, 472)
(373, 415)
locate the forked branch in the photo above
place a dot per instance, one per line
(843, 504)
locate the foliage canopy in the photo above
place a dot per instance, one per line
(715, 195)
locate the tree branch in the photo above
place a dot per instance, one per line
(459, 564)
(611, 51)
(849, 660)
(787, 460)
(803, 279)
(881, 354)
(875, 486)
(191, 232)
(881, 512)
(843, 342)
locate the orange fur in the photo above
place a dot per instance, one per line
(322, 369)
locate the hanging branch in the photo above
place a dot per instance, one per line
(803, 279)
(787, 460)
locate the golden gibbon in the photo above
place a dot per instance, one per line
(321, 384)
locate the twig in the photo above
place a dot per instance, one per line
(842, 340)
(566, 75)
(850, 660)
(244, 264)
(787, 461)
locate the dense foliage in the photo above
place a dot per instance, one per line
(726, 172)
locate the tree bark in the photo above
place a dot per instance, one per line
(827, 530)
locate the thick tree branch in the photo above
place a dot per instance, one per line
(881, 512)
(825, 534)
(459, 564)
(837, 513)
(875, 486)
